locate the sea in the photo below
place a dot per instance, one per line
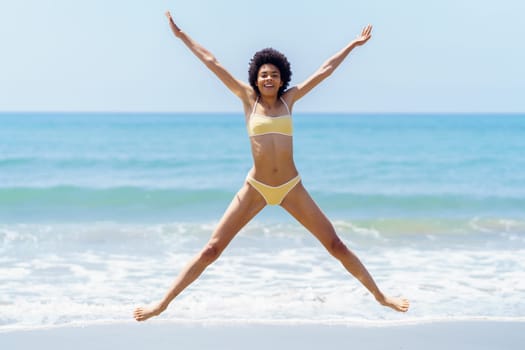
(100, 211)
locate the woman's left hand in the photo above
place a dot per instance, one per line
(366, 34)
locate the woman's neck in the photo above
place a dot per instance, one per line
(269, 102)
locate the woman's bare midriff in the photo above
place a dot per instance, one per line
(272, 159)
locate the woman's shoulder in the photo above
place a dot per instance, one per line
(249, 102)
(289, 96)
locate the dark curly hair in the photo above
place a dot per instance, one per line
(269, 56)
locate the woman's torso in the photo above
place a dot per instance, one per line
(271, 143)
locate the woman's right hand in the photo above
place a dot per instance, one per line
(174, 28)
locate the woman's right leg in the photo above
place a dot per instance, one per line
(244, 206)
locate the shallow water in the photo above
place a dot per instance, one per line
(98, 212)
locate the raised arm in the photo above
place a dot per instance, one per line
(239, 88)
(328, 67)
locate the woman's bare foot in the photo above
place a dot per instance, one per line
(143, 313)
(398, 304)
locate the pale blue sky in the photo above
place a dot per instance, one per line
(119, 55)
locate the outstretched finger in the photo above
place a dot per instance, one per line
(367, 30)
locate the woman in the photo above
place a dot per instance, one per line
(274, 179)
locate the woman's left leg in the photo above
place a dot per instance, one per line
(303, 208)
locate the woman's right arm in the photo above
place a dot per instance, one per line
(242, 90)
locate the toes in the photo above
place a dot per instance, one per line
(405, 305)
(138, 314)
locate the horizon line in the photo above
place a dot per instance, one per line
(240, 112)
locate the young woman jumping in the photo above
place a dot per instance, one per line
(273, 179)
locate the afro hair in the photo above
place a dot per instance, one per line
(269, 56)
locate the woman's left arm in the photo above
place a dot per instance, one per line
(328, 67)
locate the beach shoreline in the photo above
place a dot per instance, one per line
(99, 212)
(437, 334)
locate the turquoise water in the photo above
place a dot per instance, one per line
(434, 204)
(105, 166)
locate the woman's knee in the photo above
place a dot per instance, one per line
(210, 253)
(337, 248)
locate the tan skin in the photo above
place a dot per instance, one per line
(273, 165)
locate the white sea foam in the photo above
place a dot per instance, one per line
(59, 274)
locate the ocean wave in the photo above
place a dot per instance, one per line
(271, 272)
(416, 233)
(129, 195)
(65, 203)
(22, 204)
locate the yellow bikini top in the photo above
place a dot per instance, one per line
(259, 124)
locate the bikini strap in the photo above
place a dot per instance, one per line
(288, 109)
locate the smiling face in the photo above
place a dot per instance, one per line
(269, 79)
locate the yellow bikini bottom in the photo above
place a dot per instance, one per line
(273, 195)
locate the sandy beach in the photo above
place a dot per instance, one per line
(462, 335)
